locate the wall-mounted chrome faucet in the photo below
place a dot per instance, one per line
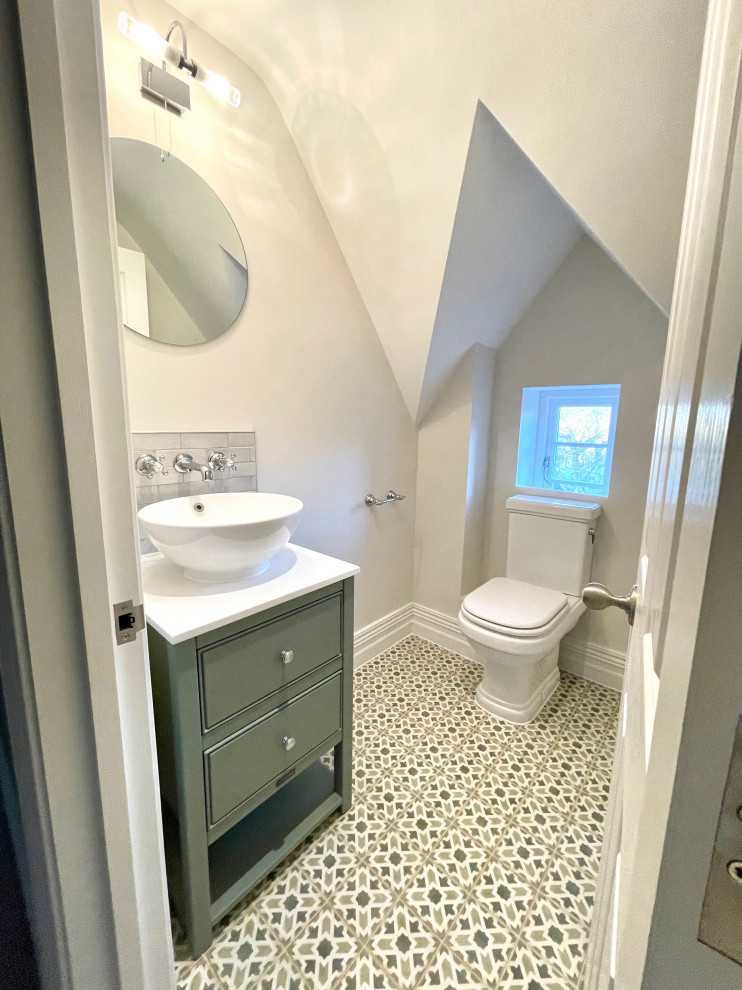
(148, 465)
(184, 463)
(220, 462)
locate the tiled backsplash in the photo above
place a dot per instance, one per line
(239, 446)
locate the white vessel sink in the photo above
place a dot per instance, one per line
(222, 537)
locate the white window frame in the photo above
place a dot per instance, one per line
(538, 428)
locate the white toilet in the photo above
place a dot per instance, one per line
(516, 623)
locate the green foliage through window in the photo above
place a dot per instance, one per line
(566, 438)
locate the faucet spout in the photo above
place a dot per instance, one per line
(184, 463)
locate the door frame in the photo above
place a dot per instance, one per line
(68, 452)
(64, 77)
(699, 382)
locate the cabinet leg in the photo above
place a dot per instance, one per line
(197, 897)
(344, 773)
(200, 935)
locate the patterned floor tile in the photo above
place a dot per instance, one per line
(364, 730)
(291, 901)
(325, 948)
(404, 945)
(533, 746)
(413, 774)
(596, 787)
(509, 777)
(582, 846)
(416, 723)
(397, 858)
(565, 768)
(447, 972)
(386, 803)
(435, 895)
(495, 800)
(362, 901)
(486, 816)
(550, 792)
(538, 818)
(469, 713)
(284, 974)
(424, 821)
(383, 754)
(359, 828)
(468, 859)
(524, 854)
(505, 895)
(481, 941)
(552, 933)
(366, 972)
(381, 713)
(526, 969)
(461, 855)
(588, 813)
(482, 746)
(197, 976)
(571, 887)
(244, 951)
(449, 791)
(330, 861)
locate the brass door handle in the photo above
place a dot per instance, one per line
(597, 596)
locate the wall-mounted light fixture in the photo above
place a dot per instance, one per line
(156, 83)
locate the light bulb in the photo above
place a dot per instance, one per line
(218, 86)
(149, 41)
(144, 36)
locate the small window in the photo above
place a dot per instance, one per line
(566, 438)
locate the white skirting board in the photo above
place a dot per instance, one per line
(378, 636)
(588, 660)
(442, 630)
(593, 662)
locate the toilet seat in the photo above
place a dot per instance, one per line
(515, 608)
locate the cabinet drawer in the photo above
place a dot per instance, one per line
(240, 671)
(239, 767)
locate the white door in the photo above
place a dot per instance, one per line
(133, 290)
(696, 398)
(63, 62)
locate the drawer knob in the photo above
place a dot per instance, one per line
(289, 742)
(287, 655)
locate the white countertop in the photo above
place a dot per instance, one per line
(180, 609)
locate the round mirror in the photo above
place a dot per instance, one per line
(182, 266)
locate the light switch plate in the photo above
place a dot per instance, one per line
(721, 914)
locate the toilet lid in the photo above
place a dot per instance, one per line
(515, 604)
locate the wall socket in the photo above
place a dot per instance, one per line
(721, 914)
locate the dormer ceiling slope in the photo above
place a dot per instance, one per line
(381, 100)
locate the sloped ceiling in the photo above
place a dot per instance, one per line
(380, 98)
(511, 234)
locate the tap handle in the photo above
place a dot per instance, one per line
(148, 465)
(218, 461)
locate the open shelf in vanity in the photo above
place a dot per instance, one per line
(245, 710)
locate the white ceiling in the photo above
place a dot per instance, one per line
(380, 97)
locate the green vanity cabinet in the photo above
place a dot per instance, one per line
(243, 715)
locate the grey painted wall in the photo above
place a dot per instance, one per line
(303, 366)
(589, 325)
